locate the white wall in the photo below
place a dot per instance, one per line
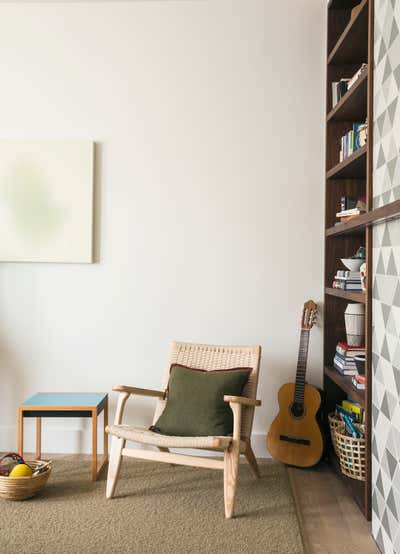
(209, 123)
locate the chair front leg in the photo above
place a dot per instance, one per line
(114, 465)
(117, 445)
(231, 462)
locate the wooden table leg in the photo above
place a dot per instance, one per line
(96, 469)
(20, 432)
(38, 438)
(105, 450)
(94, 445)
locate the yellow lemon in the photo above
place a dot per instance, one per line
(21, 470)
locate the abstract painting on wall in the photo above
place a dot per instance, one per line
(46, 201)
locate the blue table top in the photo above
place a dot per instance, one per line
(65, 399)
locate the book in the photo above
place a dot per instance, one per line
(342, 285)
(350, 429)
(357, 75)
(345, 350)
(335, 94)
(347, 203)
(339, 89)
(362, 135)
(343, 87)
(348, 362)
(340, 411)
(354, 139)
(344, 371)
(358, 381)
(348, 218)
(348, 274)
(353, 211)
(348, 279)
(349, 347)
(355, 408)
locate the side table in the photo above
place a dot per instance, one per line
(47, 404)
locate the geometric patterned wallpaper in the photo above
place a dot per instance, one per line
(386, 282)
(386, 387)
(386, 133)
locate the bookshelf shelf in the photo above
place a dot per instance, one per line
(352, 45)
(344, 382)
(353, 105)
(346, 294)
(349, 45)
(353, 167)
(358, 224)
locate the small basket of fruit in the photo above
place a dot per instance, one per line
(20, 479)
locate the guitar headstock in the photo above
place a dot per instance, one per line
(309, 315)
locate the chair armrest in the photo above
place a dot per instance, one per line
(138, 391)
(243, 400)
(125, 393)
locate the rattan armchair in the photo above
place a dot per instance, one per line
(204, 357)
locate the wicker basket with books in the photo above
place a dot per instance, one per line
(351, 452)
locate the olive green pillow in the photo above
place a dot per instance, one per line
(195, 403)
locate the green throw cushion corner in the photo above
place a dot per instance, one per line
(195, 404)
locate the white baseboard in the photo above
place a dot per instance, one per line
(72, 438)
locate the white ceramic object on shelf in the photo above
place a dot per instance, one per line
(352, 264)
(354, 317)
(363, 275)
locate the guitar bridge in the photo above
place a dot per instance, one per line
(294, 440)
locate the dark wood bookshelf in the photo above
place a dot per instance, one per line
(353, 105)
(352, 45)
(352, 167)
(346, 294)
(344, 382)
(349, 45)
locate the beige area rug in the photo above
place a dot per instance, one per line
(157, 508)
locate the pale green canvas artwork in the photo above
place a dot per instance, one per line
(46, 201)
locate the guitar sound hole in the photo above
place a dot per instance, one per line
(297, 409)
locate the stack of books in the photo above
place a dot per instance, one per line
(339, 88)
(343, 361)
(350, 208)
(347, 280)
(353, 140)
(358, 381)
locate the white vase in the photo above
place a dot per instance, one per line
(354, 317)
(363, 275)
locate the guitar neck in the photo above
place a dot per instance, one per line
(301, 366)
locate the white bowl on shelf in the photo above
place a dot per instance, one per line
(352, 264)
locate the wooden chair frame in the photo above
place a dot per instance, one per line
(232, 449)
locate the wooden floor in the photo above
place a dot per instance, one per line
(331, 521)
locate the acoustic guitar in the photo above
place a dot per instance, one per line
(295, 437)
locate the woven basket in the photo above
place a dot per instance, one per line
(334, 423)
(351, 454)
(20, 488)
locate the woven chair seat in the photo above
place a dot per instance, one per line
(144, 436)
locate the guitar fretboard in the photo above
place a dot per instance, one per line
(301, 367)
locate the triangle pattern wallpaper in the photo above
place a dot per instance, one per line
(386, 282)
